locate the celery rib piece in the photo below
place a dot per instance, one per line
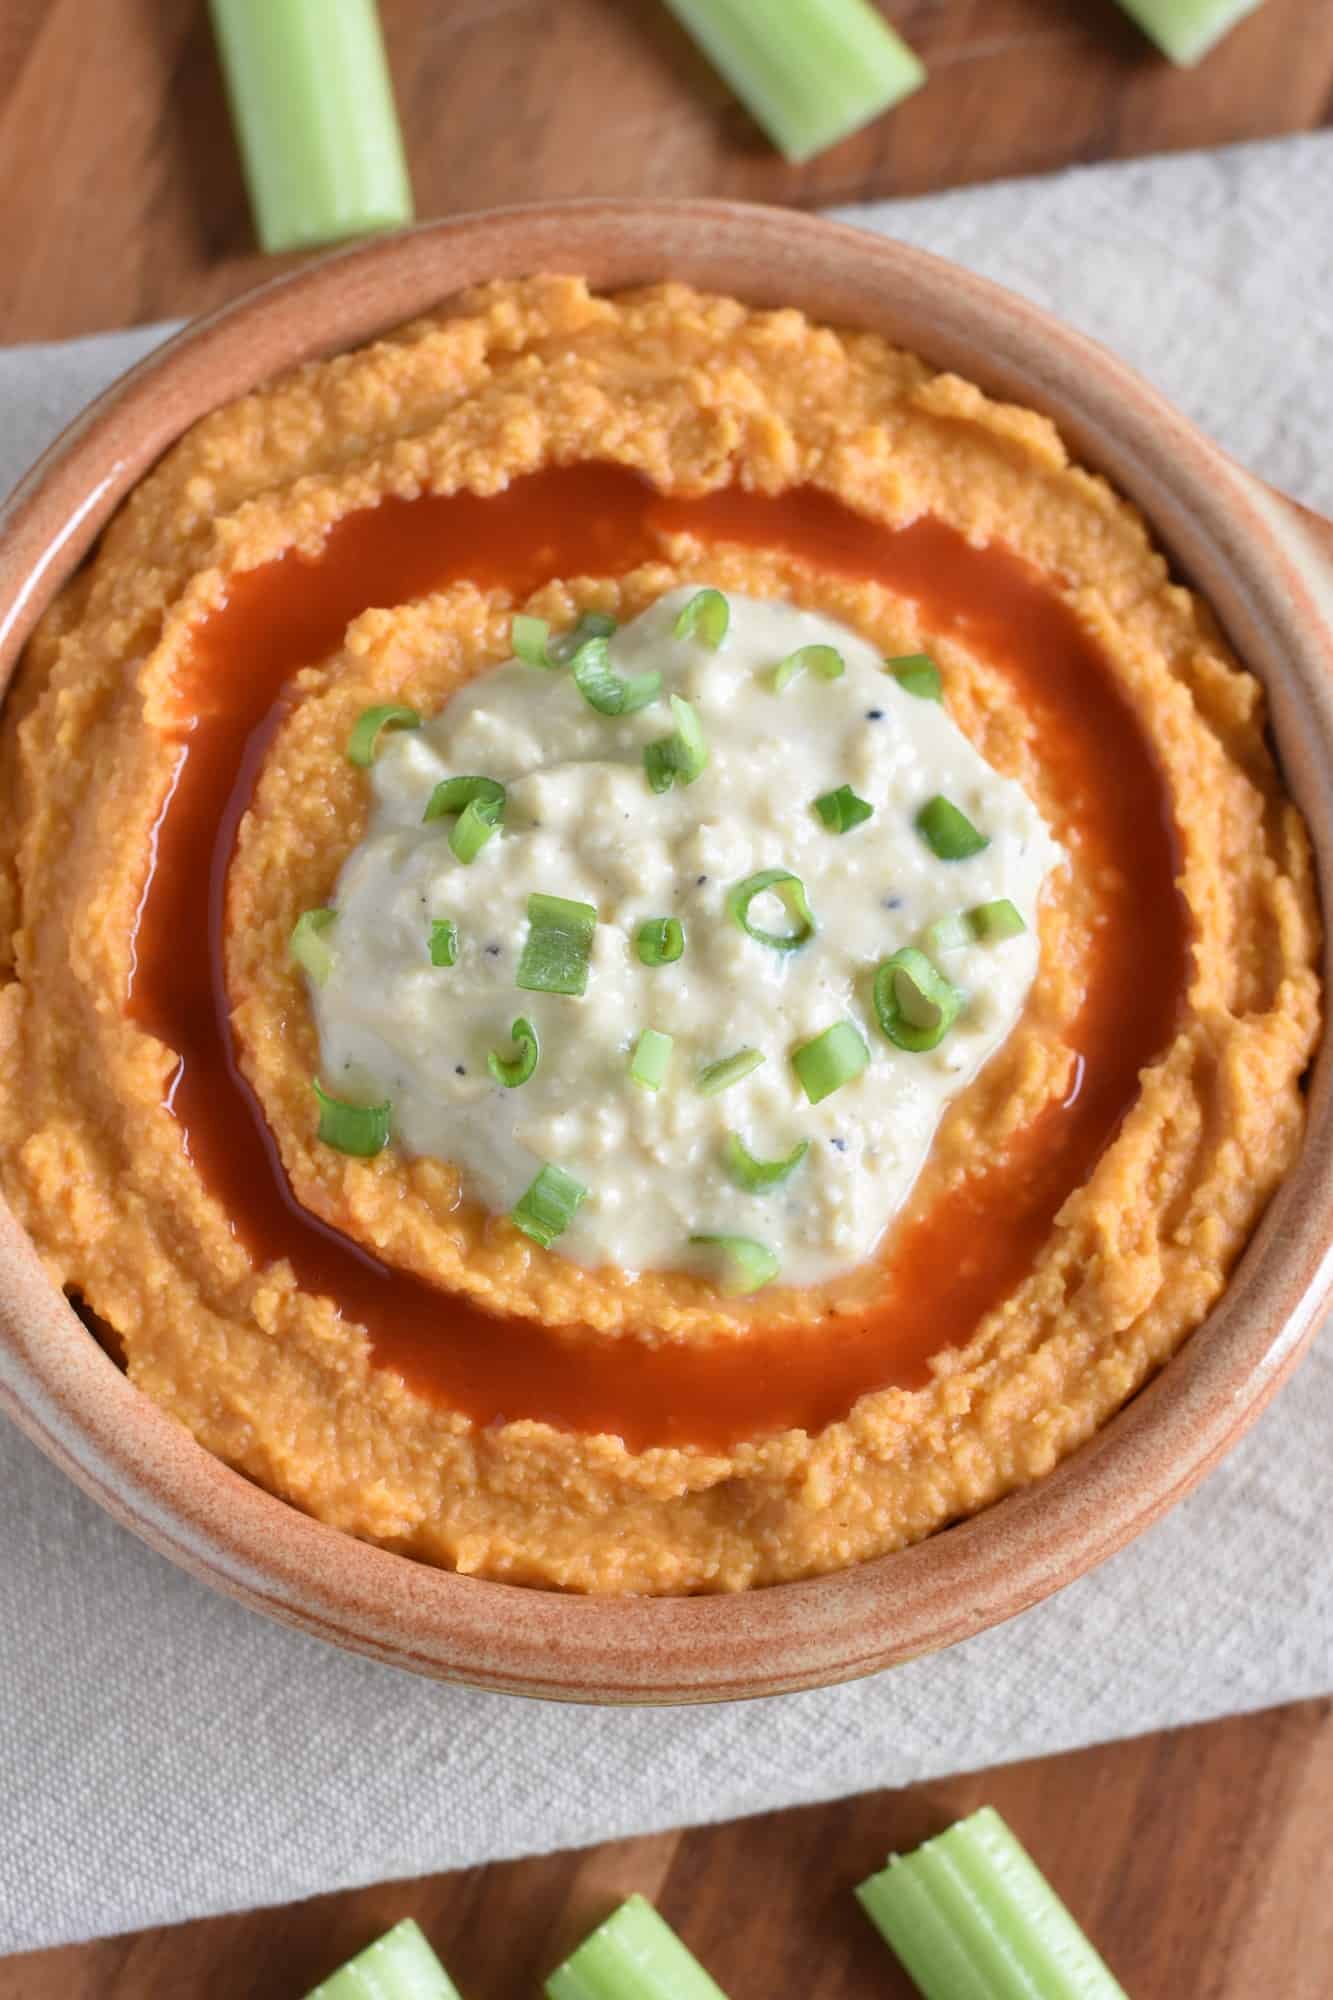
(313, 109)
(398, 1966)
(1186, 30)
(634, 1955)
(811, 72)
(972, 1917)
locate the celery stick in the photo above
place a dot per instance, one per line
(1185, 30)
(973, 1918)
(634, 1955)
(313, 109)
(810, 71)
(398, 1966)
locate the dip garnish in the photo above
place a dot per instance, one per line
(947, 832)
(359, 1129)
(651, 1059)
(830, 1060)
(480, 806)
(843, 809)
(364, 740)
(528, 637)
(988, 923)
(660, 940)
(558, 946)
(826, 661)
(310, 947)
(916, 673)
(548, 1206)
(757, 1176)
(706, 618)
(715, 1077)
(604, 689)
(443, 942)
(513, 1070)
(745, 1263)
(790, 890)
(915, 1004)
(683, 754)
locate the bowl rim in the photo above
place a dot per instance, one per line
(147, 1471)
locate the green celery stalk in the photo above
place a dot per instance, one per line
(634, 1955)
(1185, 30)
(972, 1917)
(809, 71)
(398, 1966)
(313, 108)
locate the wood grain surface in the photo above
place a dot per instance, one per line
(1199, 1860)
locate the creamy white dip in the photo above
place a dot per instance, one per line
(581, 823)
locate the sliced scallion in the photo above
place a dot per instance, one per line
(310, 946)
(828, 1061)
(916, 673)
(548, 1205)
(634, 1955)
(758, 1176)
(604, 689)
(513, 1070)
(398, 1966)
(443, 942)
(915, 1004)
(972, 1918)
(826, 661)
(359, 1129)
(1185, 30)
(480, 806)
(651, 1059)
(947, 832)
(993, 922)
(951, 933)
(706, 618)
(745, 1263)
(588, 625)
(660, 941)
(715, 1077)
(529, 636)
(790, 891)
(843, 809)
(557, 947)
(683, 755)
(364, 742)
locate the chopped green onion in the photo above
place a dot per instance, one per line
(715, 1077)
(588, 625)
(661, 941)
(604, 689)
(312, 103)
(842, 810)
(683, 754)
(364, 742)
(513, 1070)
(398, 1966)
(758, 1176)
(528, 637)
(558, 946)
(916, 673)
(790, 891)
(309, 946)
(705, 618)
(634, 1955)
(972, 1918)
(746, 1264)
(810, 72)
(826, 661)
(1185, 30)
(549, 1205)
(830, 1060)
(651, 1059)
(947, 832)
(950, 933)
(993, 922)
(359, 1129)
(914, 1004)
(443, 942)
(480, 805)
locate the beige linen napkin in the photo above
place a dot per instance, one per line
(166, 1754)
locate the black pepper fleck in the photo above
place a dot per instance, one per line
(874, 715)
(838, 1145)
(699, 881)
(459, 1070)
(492, 951)
(893, 902)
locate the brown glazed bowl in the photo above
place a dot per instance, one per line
(1267, 569)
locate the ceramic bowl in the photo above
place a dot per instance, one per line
(1268, 571)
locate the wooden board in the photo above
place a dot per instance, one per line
(1199, 1861)
(123, 199)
